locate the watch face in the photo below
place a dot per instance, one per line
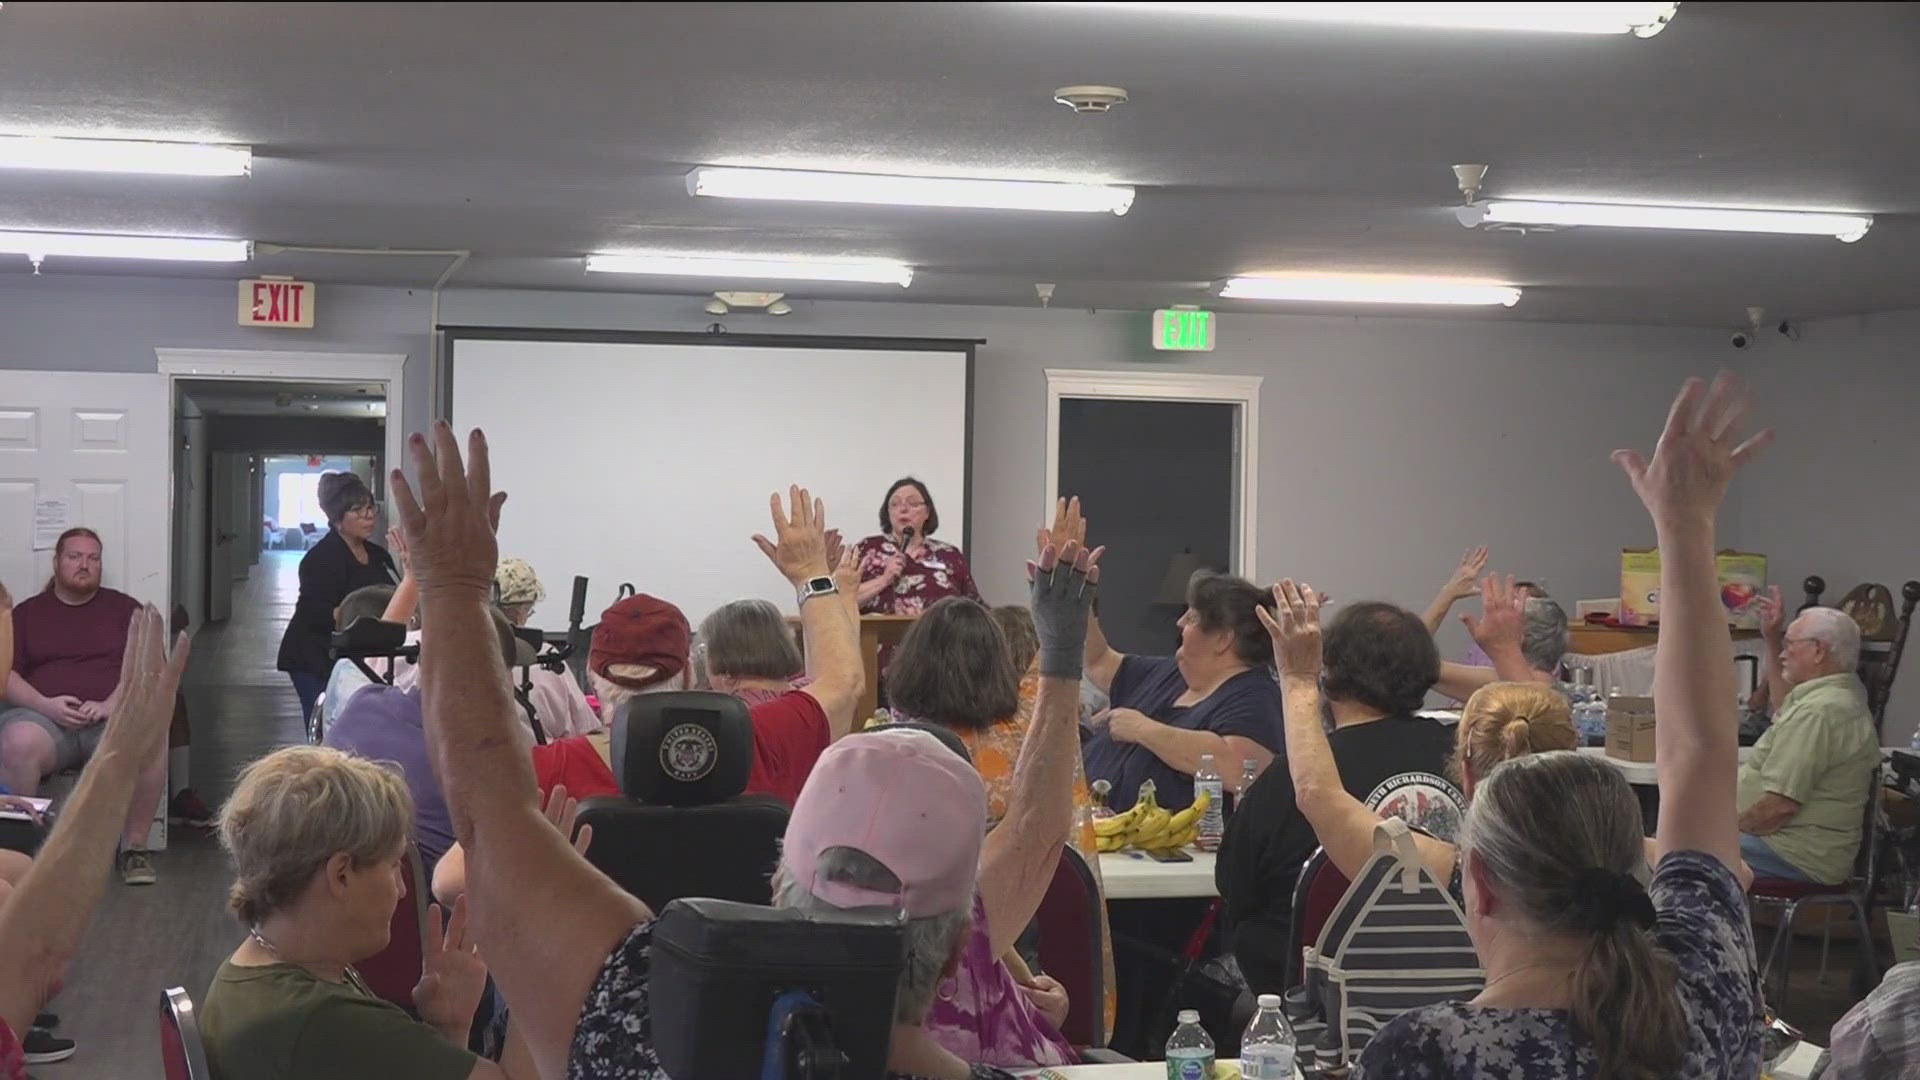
(820, 585)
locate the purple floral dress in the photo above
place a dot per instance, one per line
(980, 1014)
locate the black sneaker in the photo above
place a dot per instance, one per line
(46, 1020)
(42, 1047)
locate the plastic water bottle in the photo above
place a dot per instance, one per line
(1190, 1050)
(1268, 1048)
(1249, 772)
(1213, 821)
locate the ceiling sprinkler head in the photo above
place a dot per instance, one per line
(1470, 177)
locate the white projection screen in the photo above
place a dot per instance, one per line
(649, 459)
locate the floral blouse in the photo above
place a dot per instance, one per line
(939, 572)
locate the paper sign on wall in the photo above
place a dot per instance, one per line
(49, 521)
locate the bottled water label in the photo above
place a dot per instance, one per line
(1190, 1064)
(1270, 1062)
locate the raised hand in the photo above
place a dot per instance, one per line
(450, 526)
(1503, 612)
(1068, 524)
(562, 812)
(397, 547)
(1773, 614)
(846, 573)
(1062, 586)
(799, 547)
(1294, 626)
(149, 682)
(452, 975)
(1698, 453)
(1466, 576)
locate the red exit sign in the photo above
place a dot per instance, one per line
(276, 302)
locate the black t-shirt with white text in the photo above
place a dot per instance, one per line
(1397, 765)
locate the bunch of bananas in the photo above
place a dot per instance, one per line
(1149, 826)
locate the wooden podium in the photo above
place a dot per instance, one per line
(875, 631)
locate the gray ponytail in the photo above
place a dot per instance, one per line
(1559, 835)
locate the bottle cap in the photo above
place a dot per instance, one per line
(1188, 1016)
(1269, 1001)
(1205, 760)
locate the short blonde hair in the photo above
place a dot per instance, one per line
(298, 807)
(1506, 720)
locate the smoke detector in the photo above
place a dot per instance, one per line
(1090, 99)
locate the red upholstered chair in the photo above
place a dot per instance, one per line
(393, 972)
(1070, 947)
(1785, 899)
(1315, 895)
(181, 1052)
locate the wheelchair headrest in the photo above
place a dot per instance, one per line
(370, 637)
(682, 748)
(727, 976)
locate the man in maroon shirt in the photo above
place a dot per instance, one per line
(68, 641)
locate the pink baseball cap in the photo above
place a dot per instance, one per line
(905, 800)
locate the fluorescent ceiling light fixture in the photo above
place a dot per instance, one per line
(38, 245)
(1846, 227)
(124, 156)
(1367, 289)
(753, 267)
(797, 185)
(1641, 19)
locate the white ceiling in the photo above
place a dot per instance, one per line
(535, 133)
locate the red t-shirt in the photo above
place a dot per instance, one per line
(789, 734)
(62, 648)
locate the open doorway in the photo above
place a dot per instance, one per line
(249, 457)
(1164, 466)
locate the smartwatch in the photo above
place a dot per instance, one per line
(812, 587)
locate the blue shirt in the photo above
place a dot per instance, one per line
(1247, 705)
(381, 723)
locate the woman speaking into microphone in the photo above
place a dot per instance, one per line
(903, 569)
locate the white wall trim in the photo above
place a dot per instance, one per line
(1241, 390)
(294, 365)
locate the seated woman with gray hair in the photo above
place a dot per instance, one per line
(317, 839)
(746, 649)
(1522, 631)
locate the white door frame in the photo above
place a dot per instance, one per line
(283, 365)
(1241, 390)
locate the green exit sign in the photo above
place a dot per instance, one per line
(1183, 330)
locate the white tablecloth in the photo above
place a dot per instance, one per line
(1640, 773)
(1129, 875)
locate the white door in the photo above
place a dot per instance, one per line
(97, 443)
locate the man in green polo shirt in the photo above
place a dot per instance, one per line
(1803, 792)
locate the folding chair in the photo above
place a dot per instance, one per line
(181, 1052)
(392, 972)
(1785, 898)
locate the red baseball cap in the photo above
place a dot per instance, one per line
(640, 631)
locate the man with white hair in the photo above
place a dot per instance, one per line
(1803, 792)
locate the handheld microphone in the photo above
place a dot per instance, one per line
(906, 537)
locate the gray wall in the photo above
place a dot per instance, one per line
(1386, 445)
(1836, 496)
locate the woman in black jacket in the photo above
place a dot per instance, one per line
(344, 560)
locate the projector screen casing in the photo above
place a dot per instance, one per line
(647, 458)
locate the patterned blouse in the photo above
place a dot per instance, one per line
(939, 572)
(1702, 923)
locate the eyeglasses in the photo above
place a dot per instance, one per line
(367, 509)
(905, 504)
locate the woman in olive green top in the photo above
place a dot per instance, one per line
(316, 837)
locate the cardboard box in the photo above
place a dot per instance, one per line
(1742, 576)
(1639, 586)
(1630, 728)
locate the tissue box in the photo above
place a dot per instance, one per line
(1630, 728)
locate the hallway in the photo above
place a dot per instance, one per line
(177, 932)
